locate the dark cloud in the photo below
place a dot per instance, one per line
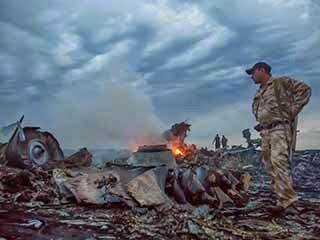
(182, 59)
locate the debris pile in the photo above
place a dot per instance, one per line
(163, 221)
(27, 185)
(157, 192)
(306, 171)
(176, 222)
(37, 184)
(207, 186)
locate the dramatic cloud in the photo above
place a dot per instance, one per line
(104, 73)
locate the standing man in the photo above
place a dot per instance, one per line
(224, 142)
(276, 106)
(216, 141)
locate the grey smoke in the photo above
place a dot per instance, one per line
(102, 105)
(119, 116)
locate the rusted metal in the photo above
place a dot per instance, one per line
(38, 149)
(82, 158)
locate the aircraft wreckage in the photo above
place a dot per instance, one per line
(151, 176)
(30, 147)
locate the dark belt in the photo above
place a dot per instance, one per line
(274, 124)
(271, 125)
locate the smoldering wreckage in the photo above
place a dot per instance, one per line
(166, 191)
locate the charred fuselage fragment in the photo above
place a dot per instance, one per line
(39, 148)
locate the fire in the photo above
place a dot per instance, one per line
(177, 151)
(185, 151)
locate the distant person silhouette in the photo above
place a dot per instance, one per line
(224, 142)
(216, 141)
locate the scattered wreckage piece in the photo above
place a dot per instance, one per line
(152, 155)
(177, 131)
(132, 186)
(153, 148)
(210, 187)
(97, 188)
(148, 189)
(23, 185)
(82, 158)
(39, 148)
(90, 186)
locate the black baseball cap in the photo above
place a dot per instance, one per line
(263, 65)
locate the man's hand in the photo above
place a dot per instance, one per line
(301, 93)
(258, 127)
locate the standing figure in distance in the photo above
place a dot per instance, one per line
(216, 141)
(224, 142)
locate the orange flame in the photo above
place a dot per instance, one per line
(183, 150)
(177, 151)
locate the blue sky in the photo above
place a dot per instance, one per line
(112, 73)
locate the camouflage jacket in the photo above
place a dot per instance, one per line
(293, 96)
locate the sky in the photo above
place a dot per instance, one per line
(116, 73)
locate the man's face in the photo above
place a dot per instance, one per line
(258, 75)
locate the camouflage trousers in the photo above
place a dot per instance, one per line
(275, 156)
